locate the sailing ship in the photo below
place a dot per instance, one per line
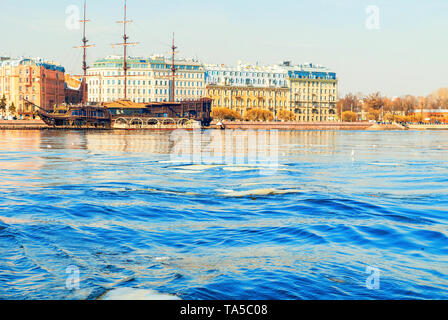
(84, 115)
(125, 114)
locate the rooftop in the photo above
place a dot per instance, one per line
(151, 59)
(284, 67)
(128, 104)
(36, 61)
(245, 68)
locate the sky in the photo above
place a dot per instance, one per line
(396, 47)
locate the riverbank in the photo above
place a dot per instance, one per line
(34, 125)
(428, 127)
(22, 125)
(295, 125)
(326, 126)
(244, 125)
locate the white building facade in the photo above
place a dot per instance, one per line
(246, 75)
(148, 80)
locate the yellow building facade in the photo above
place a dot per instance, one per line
(244, 98)
(310, 91)
(314, 100)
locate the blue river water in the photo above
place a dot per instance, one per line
(115, 205)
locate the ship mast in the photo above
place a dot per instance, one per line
(172, 78)
(84, 58)
(125, 44)
(173, 69)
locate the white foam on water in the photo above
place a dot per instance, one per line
(240, 169)
(224, 190)
(288, 169)
(384, 164)
(172, 192)
(188, 171)
(172, 161)
(136, 294)
(162, 258)
(256, 192)
(119, 189)
(106, 189)
(251, 184)
(197, 167)
(14, 220)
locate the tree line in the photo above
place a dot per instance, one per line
(255, 114)
(382, 108)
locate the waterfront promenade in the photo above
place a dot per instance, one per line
(37, 124)
(428, 127)
(295, 125)
(247, 125)
(22, 124)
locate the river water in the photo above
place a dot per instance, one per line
(337, 215)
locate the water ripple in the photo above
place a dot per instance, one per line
(115, 205)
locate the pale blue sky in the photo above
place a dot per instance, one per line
(408, 54)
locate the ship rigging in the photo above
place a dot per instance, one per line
(126, 114)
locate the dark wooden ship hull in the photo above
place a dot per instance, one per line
(162, 115)
(84, 117)
(125, 114)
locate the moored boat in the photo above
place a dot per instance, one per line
(126, 114)
(82, 116)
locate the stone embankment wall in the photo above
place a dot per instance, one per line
(428, 127)
(22, 125)
(296, 125)
(38, 124)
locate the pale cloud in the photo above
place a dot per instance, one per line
(406, 54)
